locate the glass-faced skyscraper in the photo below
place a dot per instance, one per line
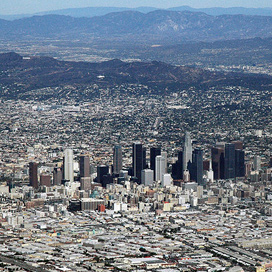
(239, 163)
(187, 151)
(154, 152)
(33, 174)
(138, 159)
(84, 166)
(229, 161)
(117, 159)
(218, 162)
(160, 167)
(196, 167)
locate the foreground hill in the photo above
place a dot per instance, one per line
(20, 74)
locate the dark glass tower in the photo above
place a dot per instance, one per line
(57, 176)
(218, 162)
(180, 165)
(154, 151)
(117, 159)
(33, 175)
(84, 166)
(229, 161)
(239, 163)
(138, 160)
(102, 170)
(196, 167)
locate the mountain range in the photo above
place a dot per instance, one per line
(158, 26)
(20, 75)
(100, 11)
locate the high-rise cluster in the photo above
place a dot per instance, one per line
(227, 162)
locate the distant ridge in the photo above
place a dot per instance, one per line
(100, 11)
(159, 26)
(217, 11)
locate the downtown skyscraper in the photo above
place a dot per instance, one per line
(196, 167)
(117, 159)
(138, 159)
(160, 168)
(187, 150)
(84, 166)
(154, 152)
(33, 174)
(68, 163)
(229, 161)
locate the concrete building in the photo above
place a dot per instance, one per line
(160, 168)
(68, 164)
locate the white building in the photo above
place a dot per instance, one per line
(164, 154)
(166, 180)
(160, 167)
(147, 176)
(68, 165)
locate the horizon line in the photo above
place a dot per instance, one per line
(125, 7)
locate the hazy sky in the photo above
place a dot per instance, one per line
(32, 6)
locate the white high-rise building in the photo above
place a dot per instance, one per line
(257, 163)
(187, 151)
(210, 174)
(68, 164)
(160, 167)
(164, 154)
(147, 176)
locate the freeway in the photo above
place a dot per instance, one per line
(21, 264)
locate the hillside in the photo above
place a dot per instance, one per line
(21, 74)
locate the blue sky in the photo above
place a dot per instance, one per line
(32, 6)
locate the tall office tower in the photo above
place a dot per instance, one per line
(102, 170)
(117, 159)
(180, 165)
(68, 163)
(33, 175)
(196, 167)
(84, 166)
(154, 152)
(160, 167)
(218, 162)
(57, 176)
(187, 151)
(145, 166)
(239, 163)
(257, 163)
(138, 160)
(164, 154)
(147, 176)
(229, 161)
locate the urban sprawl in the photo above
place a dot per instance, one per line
(179, 183)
